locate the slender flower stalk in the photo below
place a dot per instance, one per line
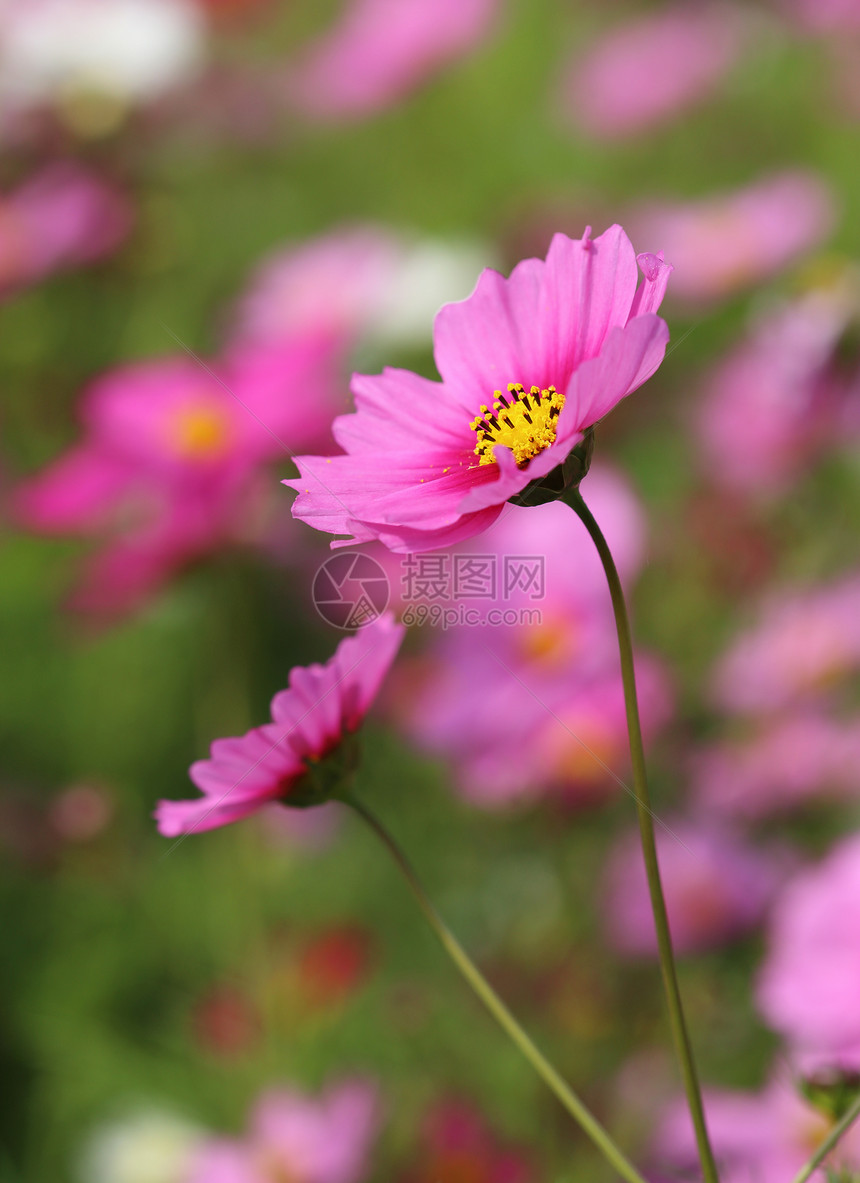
(829, 1142)
(680, 1035)
(494, 1004)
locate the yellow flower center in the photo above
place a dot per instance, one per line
(199, 432)
(525, 423)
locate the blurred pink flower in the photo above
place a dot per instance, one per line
(169, 466)
(825, 16)
(772, 405)
(62, 217)
(535, 704)
(805, 642)
(516, 732)
(363, 281)
(380, 50)
(797, 758)
(286, 758)
(295, 1137)
(717, 888)
(429, 464)
(644, 71)
(761, 1137)
(458, 1145)
(809, 984)
(722, 244)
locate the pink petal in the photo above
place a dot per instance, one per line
(494, 337)
(652, 289)
(400, 410)
(193, 817)
(367, 658)
(76, 492)
(629, 357)
(588, 289)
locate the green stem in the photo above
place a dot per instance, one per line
(494, 1004)
(680, 1035)
(828, 1143)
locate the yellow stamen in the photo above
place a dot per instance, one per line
(525, 423)
(200, 432)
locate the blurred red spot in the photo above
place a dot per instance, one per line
(225, 1022)
(333, 965)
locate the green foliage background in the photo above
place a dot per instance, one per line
(108, 946)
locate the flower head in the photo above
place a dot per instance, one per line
(528, 365)
(169, 466)
(616, 87)
(302, 756)
(729, 241)
(380, 50)
(810, 981)
(766, 1136)
(295, 1137)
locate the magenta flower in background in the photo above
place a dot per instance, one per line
(645, 71)
(364, 282)
(717, 888)
(64, 216)
(805, 642)
(825, 16)
(761, 1137)
(170, 465)
(799, 758)
(723, 244)
(295, 1137)
(515, 731)
(782, 386)
(458, 1144)
(527, 364)
(380, 50)
(809, 983)
(534, 705)
(322, 707)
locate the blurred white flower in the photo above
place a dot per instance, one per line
(150, 1146)
(375, 286)
(128, 50)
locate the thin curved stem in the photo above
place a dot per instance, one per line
(680, 1035)
(829, 1142)
(494, 1004)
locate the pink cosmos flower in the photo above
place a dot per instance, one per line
(805, 641)
(169, 467)
(717, 888)
(286, 759)
(379, 50)
(809, 983)
(722, 244)
(761, 1137)
(527, 364)
(644, 71)
(772, 405)
(62, 217)
(295, 1137)
(801, 757)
